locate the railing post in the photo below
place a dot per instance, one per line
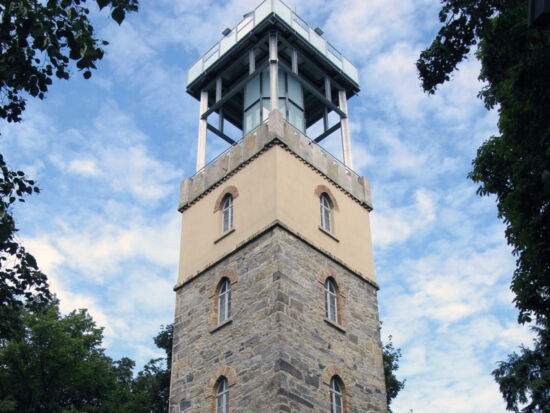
(328, 95)
(218, 97)
(201, 143)
(344, 121)
(273, 71)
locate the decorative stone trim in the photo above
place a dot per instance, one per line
(220, 326)
(336, 326)
(328, 374)
(329, 234)
(229, 190)
(229, 374)
(223, 273)
(320, 189)
(231, 231)
(183, 205)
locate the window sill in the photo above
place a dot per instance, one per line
(336, 326)
(221, 325)
(225, 234)
(324, 231)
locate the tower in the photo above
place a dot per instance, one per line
(276, 307)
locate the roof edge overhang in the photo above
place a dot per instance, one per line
(272, 22)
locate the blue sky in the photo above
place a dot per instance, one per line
(109, 153)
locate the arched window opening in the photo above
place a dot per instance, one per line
(326, 211)
(222, 395)
(336, 395)
(227, 212)
(331, 300)
(224, 301)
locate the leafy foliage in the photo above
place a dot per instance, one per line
(390, 357)
(39, 39)
(56, 363)
(523, 378)
(514, 166)
(20, 278)
(151, 387)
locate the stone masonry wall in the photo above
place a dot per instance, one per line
(278, 352)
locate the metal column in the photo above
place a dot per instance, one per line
(344, 120)
(203, 123)
(273, 71)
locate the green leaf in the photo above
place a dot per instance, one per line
(118, 15)
(102, 3)
(87, 74)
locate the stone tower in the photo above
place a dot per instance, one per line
(276, 307)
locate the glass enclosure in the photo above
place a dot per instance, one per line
(257, 100)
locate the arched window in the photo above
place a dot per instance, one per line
(331, 300)
(224, 301)
(227, 212)
(222, 395)
(326, 211)
(336, 395)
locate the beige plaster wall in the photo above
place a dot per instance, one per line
(275, 186)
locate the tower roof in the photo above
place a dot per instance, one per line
(269, 15)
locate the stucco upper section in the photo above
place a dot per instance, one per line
(275, 185)
(274, 131)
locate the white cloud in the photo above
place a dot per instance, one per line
(400, 223)
(84, 166)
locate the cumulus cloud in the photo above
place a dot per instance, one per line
(84, 167)
(399, 223)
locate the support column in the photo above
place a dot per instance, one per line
(344, 120)
(273, 71)
(328, 95)
(201, 144)
(294, 61)
(218, 97)
(251, 61)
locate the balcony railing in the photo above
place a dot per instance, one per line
(254, 18)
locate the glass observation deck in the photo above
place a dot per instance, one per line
(296, 24)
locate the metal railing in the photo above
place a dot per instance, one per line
(329, 156)
(252, 19)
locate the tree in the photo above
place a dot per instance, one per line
(390, 357)
(38, 41)
(56, 363)
(20, 279)
(151, 387)
(514, 166)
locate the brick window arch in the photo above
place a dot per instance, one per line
(224, 300)
(222, 395)
(323, 189)
(328, 207)
(326, 212)
(338, 398)
(221, 387)
(225, 204)
(333, 296)
(336, 394)
(224, 284)
(331, 300)
(227, 213)
(231, 190)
